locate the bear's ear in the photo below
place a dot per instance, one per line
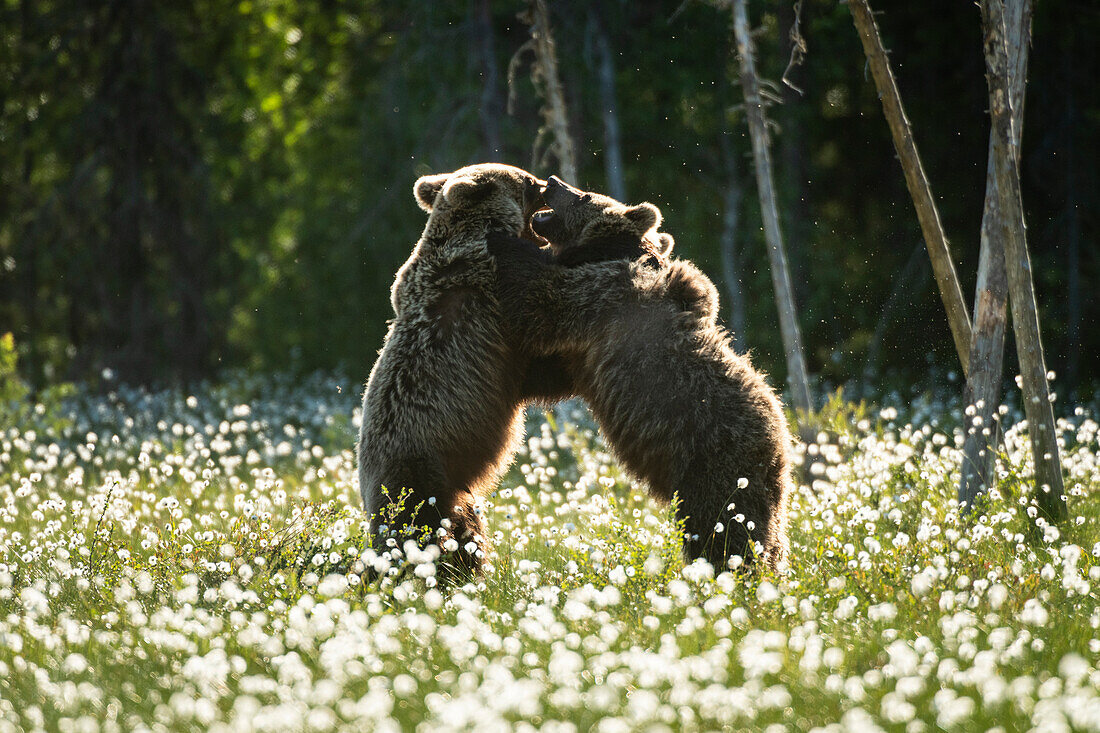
(645, 216)
(665, 243)
(425, 189)
(466, 191)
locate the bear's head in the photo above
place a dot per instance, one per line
(501, 195)
(586, 227)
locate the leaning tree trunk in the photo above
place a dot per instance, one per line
(917, 182)
(1049, 488)
(983, 386)
(758, 131)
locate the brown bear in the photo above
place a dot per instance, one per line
(443, 407)
(679, 408)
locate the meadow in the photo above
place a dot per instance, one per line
(198, 561)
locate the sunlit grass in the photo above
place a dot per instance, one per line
(199, 562)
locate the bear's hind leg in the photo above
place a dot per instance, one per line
(722, 520)
(415, 507)
(714, 536)
(466, 542)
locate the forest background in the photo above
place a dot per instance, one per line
(194, 186)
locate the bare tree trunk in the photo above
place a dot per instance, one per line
(554, 112)
(758, 131)
(491, 106)
(613, 155)
(731, 265)
(986, 362)
(1049, 488)
(917, 182)
(983, 386)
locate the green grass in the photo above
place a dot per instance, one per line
(195, 563)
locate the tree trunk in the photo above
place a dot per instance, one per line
(986, 361)
(554, 110)
(758, 131)
(731, 265)
(983, 386)
(917, 182)
(1049, 488)
(613, 155)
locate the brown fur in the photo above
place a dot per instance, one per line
(680, 409)
(443, 408)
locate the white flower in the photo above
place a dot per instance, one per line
(617, 575)
(74, 664)
(766, 592)
(922, 583)
(333, 585)
(1033, 613)
(404, 685)
(433, 599)
(715, 604)
(846, 607)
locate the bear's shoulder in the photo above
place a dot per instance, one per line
(682, 284)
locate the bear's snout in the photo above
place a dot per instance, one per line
(560, 194)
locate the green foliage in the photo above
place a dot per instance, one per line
(841, 416)
(12, 388)
(15, 404)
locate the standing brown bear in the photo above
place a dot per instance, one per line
(443, 408)
(679, 408)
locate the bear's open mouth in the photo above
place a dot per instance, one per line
(541, 219)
